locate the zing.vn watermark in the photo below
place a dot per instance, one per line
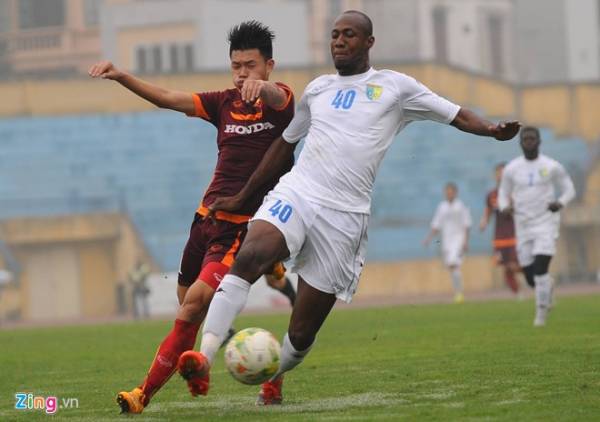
(50, 404)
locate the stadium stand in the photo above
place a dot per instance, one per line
(155, 166)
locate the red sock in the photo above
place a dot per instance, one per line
(511, 280)
(181, 338)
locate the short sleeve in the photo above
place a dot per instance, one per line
(420, 103)
(289, 101)
(298, 127)
(207, 105)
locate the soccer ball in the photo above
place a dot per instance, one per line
(252, 356)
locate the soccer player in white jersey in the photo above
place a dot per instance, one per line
(528, 190)
(319, 211)
(452, 222)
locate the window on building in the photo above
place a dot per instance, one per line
(91, 12)
(141, 61)
(440, 34)
(157, 62)
(496, 45)
(181, 58)
(174, 58)
(41, 13)
(5, 15)
(188, 54)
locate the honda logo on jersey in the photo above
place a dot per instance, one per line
(247, 130)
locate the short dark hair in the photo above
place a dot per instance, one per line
(531, 129)
(249, 35)
(452, 185)
(367, 25)
(500, 165)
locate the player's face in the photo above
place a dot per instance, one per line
(530, 142)
(349, 43)
(450, 193)
(249, 64)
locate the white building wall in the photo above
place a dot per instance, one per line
(288, 20)
(213, 19)
(582, 33)
(467, 32)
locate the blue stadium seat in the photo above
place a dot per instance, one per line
(156, 165)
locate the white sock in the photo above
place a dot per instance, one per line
(457, 280)
(543, 290)
(228, 302)
(290, 357)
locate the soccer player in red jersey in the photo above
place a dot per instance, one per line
(248, 117)
(504, 234)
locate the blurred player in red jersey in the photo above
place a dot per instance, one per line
(248, 118)
(505, 241)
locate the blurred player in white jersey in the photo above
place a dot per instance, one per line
(452, 222)
(528, 190)
(319, 211)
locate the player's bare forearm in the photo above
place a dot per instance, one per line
(277, 156)
(432, 233)
(160, 97)
(273, 95)
(163, 98)
(467, 121)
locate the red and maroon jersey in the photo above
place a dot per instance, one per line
(245, 132)
(504, 233)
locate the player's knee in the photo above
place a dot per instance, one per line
(529, 274)
(192, 311)
(253, 261)
(301, 337)
(541, 264)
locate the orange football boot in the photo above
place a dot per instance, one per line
(131, 401)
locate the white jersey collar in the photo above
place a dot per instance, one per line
(355, 78)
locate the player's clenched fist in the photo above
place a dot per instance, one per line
(105, 70)
(252, 89)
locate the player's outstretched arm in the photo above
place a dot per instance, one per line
(432, 233)
(160, 97)
(276, 157)
(485, 219)
(467, 121)
(567, 189)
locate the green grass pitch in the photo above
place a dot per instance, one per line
(477, 361)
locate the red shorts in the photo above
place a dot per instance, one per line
(507, 255)
(210, 251)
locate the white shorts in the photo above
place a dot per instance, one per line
(328, 246)
(542, 244)
(453, 256)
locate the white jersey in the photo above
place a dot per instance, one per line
(529, 185)
(349, 123)
(452, 220)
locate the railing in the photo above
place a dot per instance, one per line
(27, 207)
(59, 38)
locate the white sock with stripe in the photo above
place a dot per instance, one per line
(228, 301)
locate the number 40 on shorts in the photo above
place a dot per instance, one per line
(283, 211)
